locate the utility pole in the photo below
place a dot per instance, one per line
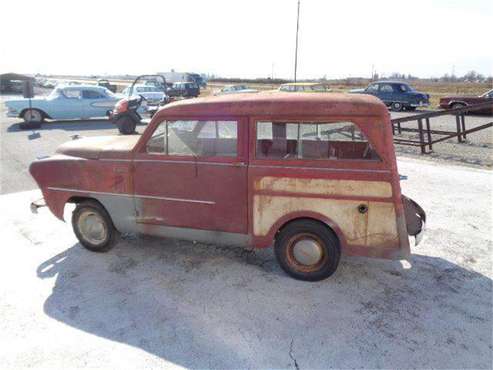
(296, 49)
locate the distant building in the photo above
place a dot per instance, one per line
(13, 82)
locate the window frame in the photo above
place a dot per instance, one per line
(241, 156)
(381, 163)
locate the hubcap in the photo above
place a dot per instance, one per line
(307, 252)
(92, 227)
(33, 115)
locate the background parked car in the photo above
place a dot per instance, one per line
(236, 89)
(152, 94)
(396, 95)
(106, 83)
(185, 89)
(304, 87)
(65, 102)
(457, 101)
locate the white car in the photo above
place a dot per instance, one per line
(65, 102)
(236, 89)
(152, 94)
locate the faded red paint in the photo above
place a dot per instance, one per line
(219, 192)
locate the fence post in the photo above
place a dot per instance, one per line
(463, 121)
(459, 134)
(421, 136)
(428, 131)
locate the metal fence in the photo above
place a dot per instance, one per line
(425, 139)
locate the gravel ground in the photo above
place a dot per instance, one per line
(476, 150)
(152, 303)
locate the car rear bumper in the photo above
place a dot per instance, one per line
(420, 104)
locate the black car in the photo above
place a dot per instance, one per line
(185, 89)
(396, 94)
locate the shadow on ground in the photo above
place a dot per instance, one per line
(204, 306)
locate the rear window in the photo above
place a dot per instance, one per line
(312, 141)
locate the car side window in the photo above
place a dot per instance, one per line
(92, 94)
(195, 138)
(403, 88)
(386, 88)
(71, 93)
(312, 141)
(373, 88)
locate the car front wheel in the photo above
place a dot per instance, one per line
(32, 115)
(396, 106)
(93, 227)
(307, 250)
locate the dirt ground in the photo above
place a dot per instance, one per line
(159, 303)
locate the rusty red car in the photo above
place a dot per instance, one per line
(461, 101)
(312, 175)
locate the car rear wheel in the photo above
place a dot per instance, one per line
(396, 106)
(126, 125)
(458, 105)
(93, 227)
(307, 250)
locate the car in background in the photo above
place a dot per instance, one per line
(185, 89)
(458, 101)
(65, 102)
(105, 83)
(396, 94)
(236, 89)
(304, 87)
(152, 94)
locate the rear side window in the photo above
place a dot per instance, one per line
(92, 94)
(195, 138)
(312, 141)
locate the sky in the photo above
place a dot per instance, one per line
(247, 38)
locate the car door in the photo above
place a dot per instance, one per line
(386, 93)
(192, 174)
(96, 103)
(69, 104)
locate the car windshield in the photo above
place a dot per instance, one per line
(487, 94)
(55, 93)
(146, 89)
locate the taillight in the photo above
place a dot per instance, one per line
(121, 106)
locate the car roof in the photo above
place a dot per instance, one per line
(86, 87)
(279, 104)
(390, 82)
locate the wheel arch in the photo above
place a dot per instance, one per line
(311, 216)
(43, 113)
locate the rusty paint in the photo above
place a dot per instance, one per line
(325, 187)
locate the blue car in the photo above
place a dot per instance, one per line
(65, 102)
(396, 94)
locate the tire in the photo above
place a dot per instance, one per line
(33, 115)
(458, 105)
(396, 106)
(307, 250)
(126, 125)
(93, 227)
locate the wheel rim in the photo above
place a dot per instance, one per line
(32, 116)
(92, 227)
(397, 106)
(306, 252)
